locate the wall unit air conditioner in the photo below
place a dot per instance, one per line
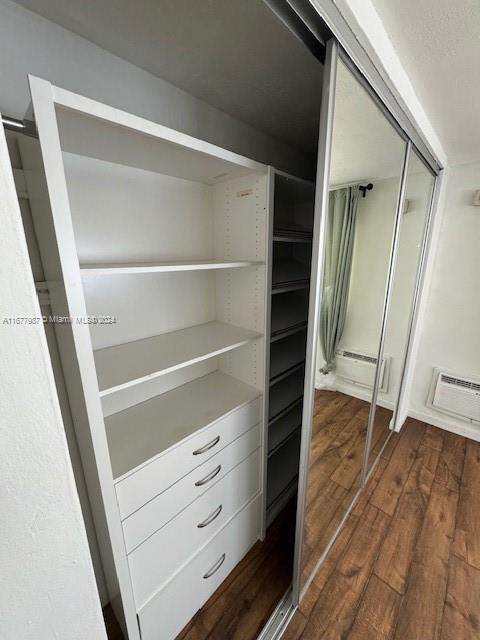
(359, 368)
(455, 394)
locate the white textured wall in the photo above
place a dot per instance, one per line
(30, 44)
(47, 585)
(450, 336)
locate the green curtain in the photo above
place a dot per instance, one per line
(340, 236)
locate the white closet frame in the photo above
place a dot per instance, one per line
(64, 277)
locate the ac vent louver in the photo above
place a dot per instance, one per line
(466, 384)
(456, 395)
(359, 368)
(359, 356)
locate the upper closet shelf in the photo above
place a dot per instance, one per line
(124, 365)
(162, 267)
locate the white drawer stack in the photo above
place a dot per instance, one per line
(189, 516)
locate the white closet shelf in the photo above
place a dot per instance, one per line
(145, 430)
(122, 268)
(125, 365)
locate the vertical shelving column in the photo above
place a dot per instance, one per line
(290, 283)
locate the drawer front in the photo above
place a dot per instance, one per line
(154, 515)
(158, 558)
(147, 482)
(165, 615)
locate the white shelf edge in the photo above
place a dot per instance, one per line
(180, 365)
(163, 267)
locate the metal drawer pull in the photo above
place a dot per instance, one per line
(210, 476)
(211, 517)
(208, 446)
(215, 567)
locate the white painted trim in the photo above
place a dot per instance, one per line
(59, 257)
(371, 36)
(318, 247)
(424, 292)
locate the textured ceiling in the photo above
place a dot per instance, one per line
(233, 54)
(365, 146)
(438, 43)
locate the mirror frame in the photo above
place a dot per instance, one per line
(333, 55)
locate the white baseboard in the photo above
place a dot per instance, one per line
(443, 422)
(363, 394)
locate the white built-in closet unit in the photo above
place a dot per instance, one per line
(164, 239)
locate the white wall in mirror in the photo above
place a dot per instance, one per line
(365, 147)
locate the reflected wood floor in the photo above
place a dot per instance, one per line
(338, 439)
(242, 605)
(406, 564)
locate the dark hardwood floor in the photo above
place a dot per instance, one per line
(242, 605)
(406, 564)
(338, 440)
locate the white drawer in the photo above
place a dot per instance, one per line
(155, 561)
(166, 613)
(156, 513)
(157, 475)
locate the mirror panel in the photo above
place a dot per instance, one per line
(367, 157)
(415, 207)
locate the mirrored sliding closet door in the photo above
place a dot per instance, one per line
(355, 248)
(412, 225)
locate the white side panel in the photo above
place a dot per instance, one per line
(57, 246)
(241, 226)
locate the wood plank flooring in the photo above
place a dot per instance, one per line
(338, 440)
(242, 605)
(406, 564)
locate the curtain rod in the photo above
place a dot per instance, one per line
(22, 126)
(363, 187)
